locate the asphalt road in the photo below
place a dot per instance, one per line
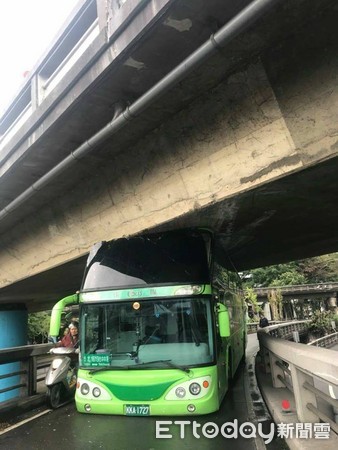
(65, 428)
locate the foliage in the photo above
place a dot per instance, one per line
(275, 299)
(253, 319)
(290, 277)
(265, 276)
(319, 269)
(321, 323)
(250, 296)
(251, 300)
(38, 327)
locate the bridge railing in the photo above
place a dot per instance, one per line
(72, 41)
(33, 363)
(253, 327)
(326, 341)
(300, 288)
(88, 32)
(310, 373)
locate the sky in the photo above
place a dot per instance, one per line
(27, 27)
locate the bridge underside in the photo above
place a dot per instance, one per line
(250, 227)
(246, 145)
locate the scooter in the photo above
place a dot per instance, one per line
(61, 376)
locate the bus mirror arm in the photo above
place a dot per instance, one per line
(55, 320)
(223, 320)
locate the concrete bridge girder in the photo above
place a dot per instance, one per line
(240, 158)
(200, 164)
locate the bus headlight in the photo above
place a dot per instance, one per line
(91, 391)
(180, 392)
(84, 389)
(192, 389)
(96, 392)
(195, 388)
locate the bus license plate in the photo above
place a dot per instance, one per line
(137, 410)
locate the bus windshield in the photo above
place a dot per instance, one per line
(137, 334)
(161, 258)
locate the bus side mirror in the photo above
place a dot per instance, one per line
(223, 320)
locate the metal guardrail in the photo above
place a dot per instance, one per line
(309, 372)
(33, 362)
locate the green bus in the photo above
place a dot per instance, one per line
(162, 325)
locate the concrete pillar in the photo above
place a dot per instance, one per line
(13, 333)
(302, 395)
(275, 371)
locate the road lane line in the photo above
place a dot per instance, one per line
(25, 421)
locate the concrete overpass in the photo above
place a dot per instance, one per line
(130, 123)
(326, 290)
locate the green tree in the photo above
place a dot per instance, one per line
(319, 269)
(251, 300)
(276, 300)
(265, 276)
(290, 277)
(321, 323)
(38, 327)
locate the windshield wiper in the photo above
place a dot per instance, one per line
(139, 366)
(165, 361)
(103, 368)
(130, 354)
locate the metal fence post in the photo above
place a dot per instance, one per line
(24, 378)
(32, 371)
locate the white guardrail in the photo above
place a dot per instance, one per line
(309, 372)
